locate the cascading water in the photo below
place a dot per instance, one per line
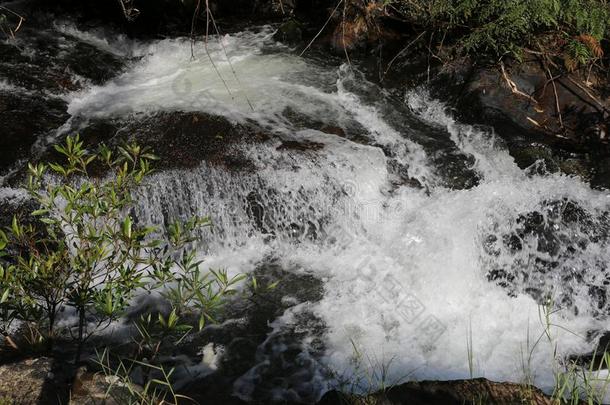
(427, 238)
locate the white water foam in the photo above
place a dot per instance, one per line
(406, 271)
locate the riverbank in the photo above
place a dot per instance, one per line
(36, 381)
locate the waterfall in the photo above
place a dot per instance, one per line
(425, 234)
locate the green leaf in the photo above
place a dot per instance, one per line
(3, 240)
(15, 226)
(61, 149)
(108, 304)
(4, 297)
(58, 169)
(127, 227)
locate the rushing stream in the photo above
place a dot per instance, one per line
(428, 245)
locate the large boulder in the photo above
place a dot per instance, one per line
(181, 140)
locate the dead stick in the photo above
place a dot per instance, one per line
(591, 96)
(401, 52)
(322, 29)
(556, 98)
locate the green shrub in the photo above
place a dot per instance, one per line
(82, 251)
(499, 27)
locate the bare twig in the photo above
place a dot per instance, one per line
(205, 42)
(429, 52)
(533, 121)
(557, 106)
(210, 19)
(193, 27)
(322, 29)
(401, 52)
(224, 49)
(12, 32)
(343, 35)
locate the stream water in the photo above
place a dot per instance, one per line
(422, 242)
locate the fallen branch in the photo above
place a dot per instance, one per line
(591, 96)
(513, 86)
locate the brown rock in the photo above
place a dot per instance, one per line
(334, 130)
(27, 382)
(41, 381)
(300, 146)
(458, 392)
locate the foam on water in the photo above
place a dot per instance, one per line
(242, 76)
(170, 77)
(408, 272)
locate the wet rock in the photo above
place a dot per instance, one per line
(528, 124)
(289, 32)
(301, 146)
(25, 117)
(45, 59)
(261, 361)
(459, 392)
(596, 359)
(151, 18)
(19, 205)
(536, 110)
(256, 211)
(549, 250)
(519, 101)
(181, 140)
(92, 389)
(333, 130)
(354, 131)
(93, 63)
